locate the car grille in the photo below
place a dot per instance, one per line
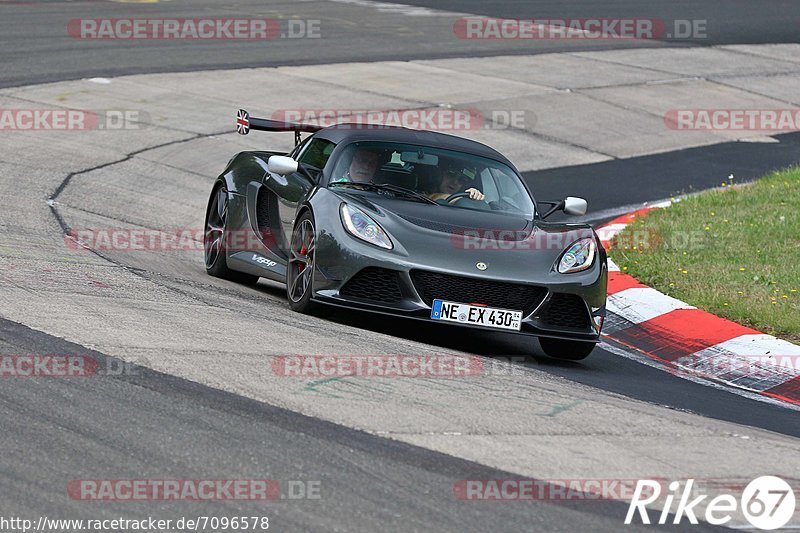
(432, 286)
(262, 210)
(434, 225)
(373, 283)
(566, 311)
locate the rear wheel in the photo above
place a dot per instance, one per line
(300, 270)
(214, 239)
(569, 350)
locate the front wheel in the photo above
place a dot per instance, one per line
(300, 271)
(568, 350)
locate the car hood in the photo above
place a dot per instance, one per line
(440, 218)
(458, 240)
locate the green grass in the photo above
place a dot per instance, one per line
(734, 252)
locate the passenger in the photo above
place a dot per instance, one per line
(363, 166)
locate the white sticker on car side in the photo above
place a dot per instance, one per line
(264, 261)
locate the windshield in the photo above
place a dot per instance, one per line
(440, 177)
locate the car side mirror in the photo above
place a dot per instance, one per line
(575, 206)
(570, 205)
(282, 165)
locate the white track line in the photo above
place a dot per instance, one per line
(641, 304)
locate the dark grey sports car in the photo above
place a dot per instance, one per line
(411, 224)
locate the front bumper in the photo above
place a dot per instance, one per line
(381, 287)
(565, 306)
(538, 322)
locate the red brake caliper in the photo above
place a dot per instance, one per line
(303, 251)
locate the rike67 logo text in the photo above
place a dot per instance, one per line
(767, 502)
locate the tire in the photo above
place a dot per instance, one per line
(300, 267)
(214, 239)
(567, 350)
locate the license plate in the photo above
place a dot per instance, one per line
(476, 314)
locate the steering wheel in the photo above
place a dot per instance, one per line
(457, 196)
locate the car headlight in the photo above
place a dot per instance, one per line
(359, 224)
(579, 256)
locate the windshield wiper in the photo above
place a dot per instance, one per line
(388, 187)
(402, 190)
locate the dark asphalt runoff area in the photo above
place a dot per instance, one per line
(649, 178)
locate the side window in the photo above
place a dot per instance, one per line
(489, 186)
(510, 191)
(317, 153)
(505, 184)
(300, 147)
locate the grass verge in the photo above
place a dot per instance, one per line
(734, 252)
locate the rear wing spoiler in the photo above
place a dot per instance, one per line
(245, 123)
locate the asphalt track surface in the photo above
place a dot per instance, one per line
(665, 175)
(37, 48)
(728, 22)
(146, 423)
(150, 423)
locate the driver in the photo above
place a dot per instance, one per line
(453, 181)
(363, 166)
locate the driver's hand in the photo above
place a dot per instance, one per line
(475, 194)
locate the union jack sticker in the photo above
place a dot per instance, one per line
(243, 122)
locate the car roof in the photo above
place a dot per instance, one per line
(340, 133)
